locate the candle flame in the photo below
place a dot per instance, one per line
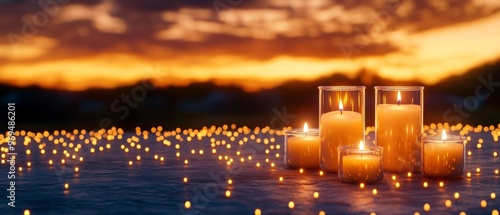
(306, 128)
(341, 106)
(361, 145)
(443, 135)
(399, 96)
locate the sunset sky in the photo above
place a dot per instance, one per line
(77, 44)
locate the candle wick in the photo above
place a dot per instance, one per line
(399, 102)
(341, 111)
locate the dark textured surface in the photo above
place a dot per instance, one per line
(106, 184)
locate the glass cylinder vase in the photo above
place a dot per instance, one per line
(358, 164)
(443, 156)
(342, 121)
(399, 125)
(302, 148)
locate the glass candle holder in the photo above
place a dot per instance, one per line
(342, 121)
(360, 164)
(399, 125)
(443, 156)
(302, 148)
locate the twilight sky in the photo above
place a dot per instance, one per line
(77, 44)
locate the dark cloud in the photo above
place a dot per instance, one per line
(162, 5)
(144, 20)
(426, 15)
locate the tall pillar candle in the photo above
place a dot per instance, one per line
(341, 121)
(398, 126)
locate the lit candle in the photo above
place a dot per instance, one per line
(360, 164)
(338, 128)
(302, 148)
(398, 131)
(444, 156)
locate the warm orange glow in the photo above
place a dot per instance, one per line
(96, 71)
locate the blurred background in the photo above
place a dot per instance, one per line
(99, 63)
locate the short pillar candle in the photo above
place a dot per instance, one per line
(302, 148)
(443, 155)
(360, 163)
